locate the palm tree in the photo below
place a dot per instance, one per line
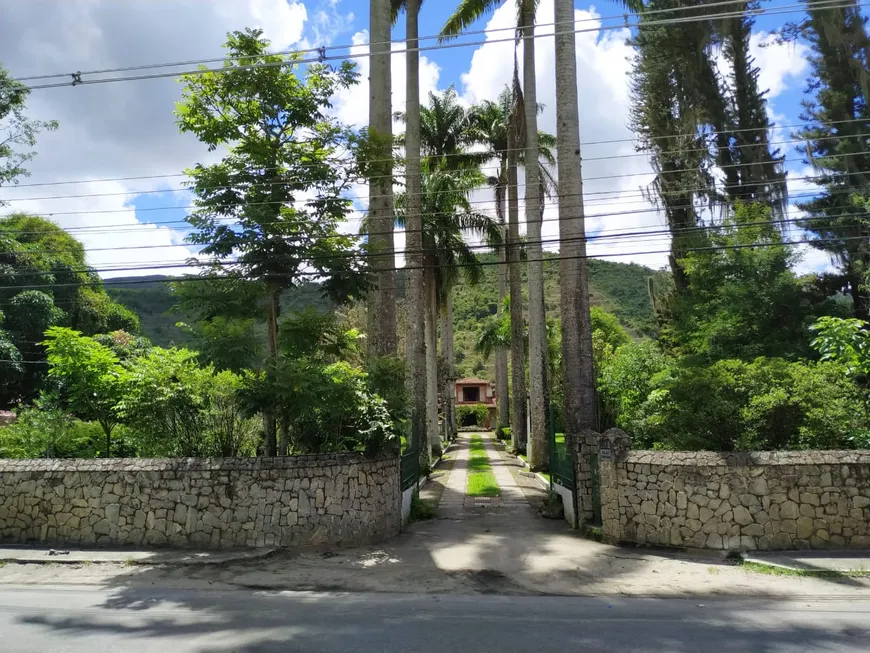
(415, 294)
(450, 173)
(527, 123)
(491, 128)
(574, 274)
(490, 125)
(381, 317)
(579, 380)
(446, 195)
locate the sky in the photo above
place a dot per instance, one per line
(111, 132)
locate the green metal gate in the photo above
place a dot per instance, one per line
(410, 468)
(561, 458)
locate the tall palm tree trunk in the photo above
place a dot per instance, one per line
(574, 276)
(518, 354)
(539, 398)
(415, 379)
(381, 317)
(502, 392)
(431, 331)
(448, 393)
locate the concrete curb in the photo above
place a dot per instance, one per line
(541, 479)
(169, 557)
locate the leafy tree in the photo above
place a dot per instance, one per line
(95, 312)
(625, 382)
(278, 182)
(837, 110)
(30, 313)
(90, 377)
(326, 401)
(765, 404)
(741, 301)
(18, 132)
(227, 319)
(11, 364)
(843, 341)
(692, 114)
(46, 282)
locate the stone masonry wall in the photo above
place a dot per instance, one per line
(207, 503)
(735, 501)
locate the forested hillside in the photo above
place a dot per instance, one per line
(619, 288)
(152, 300)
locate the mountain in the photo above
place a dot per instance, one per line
(150, 298)
(619, 288)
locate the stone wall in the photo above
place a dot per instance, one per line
(735, 501)
(335, 499)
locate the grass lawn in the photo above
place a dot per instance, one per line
(481, 480)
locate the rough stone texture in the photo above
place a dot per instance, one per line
(336, 499)
(737, 501)
(585, 449)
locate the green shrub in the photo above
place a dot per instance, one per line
(177, 408)
(43, 430)
(328, 407)
(471, 415)
(767, 404)
(625, 382)
(421, 510)
(386, 378)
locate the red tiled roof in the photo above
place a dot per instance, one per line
(472, 381)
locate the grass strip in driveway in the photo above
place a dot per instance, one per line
(481, 480)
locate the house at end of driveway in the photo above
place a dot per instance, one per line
(471, 391)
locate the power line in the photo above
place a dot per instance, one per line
(323, 58)
(104, 229)
(314, 274)
(590, 216)
(126, 227)
(347, 46)
(290, 181)
(494, 153)
(362, 255)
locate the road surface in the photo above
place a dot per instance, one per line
(89, 619)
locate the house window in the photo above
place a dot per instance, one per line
(470, 394)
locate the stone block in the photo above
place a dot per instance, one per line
(758, 486)
(804, 527)
(742, 516)
(860, 502)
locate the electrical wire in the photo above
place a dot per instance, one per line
(315, 274)
(786, 9)
(346, 46)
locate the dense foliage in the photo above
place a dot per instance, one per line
(262, 353)
(46, 283)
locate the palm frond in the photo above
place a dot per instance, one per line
(466, 13)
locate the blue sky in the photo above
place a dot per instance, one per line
(110, 131)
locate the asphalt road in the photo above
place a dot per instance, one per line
(87, 619)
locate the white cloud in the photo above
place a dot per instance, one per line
(612, 169)
(352, 105)
(125, 128)
(780, 64)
